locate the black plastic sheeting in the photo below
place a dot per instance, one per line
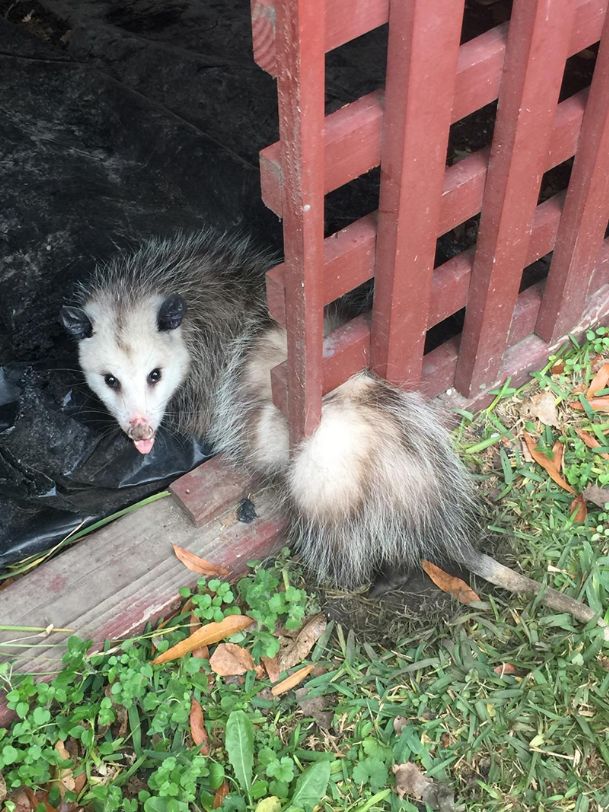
(63, 462)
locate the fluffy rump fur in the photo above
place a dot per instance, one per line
(377, 485)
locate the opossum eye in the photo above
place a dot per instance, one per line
(112, 382)
(154, 376)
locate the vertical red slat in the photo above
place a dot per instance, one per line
(421, 68)
(300, 87)
(585, 214)
(536, 51)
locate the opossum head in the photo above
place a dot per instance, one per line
(133, 356)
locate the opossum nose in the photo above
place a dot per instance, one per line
(140, 429)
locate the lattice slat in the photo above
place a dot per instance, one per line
(586, 212)
(422, 58)
(536, 53)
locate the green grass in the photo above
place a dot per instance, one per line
(534, 738)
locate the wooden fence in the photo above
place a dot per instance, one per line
(432, 81)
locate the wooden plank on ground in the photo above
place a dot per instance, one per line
(422, 55)
(114, 582)
(537, 49)
(586, 211)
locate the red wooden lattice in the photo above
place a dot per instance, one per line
(433, 81)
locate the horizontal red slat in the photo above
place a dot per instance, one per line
(345, 20)
(349, 254)
(352, 134)
(346, 350)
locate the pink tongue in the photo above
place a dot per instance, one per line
(144, 446)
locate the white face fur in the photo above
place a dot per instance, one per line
(133, 366)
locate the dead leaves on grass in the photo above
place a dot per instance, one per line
(449, 583)
(409, 780)
(197, 727)
(549, 465)
(231, 660)
(292, 681)
(542, 406)
(205, 636)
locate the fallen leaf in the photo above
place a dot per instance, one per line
(578, 507)
(546, 463)
(409, 780)
(292, 681)
(3, 792)
(65, 778)
(505, 669)
(449, 583)
(558, 455)
(220, 795)
(306, 638)
(598, 404)
(197, 727)
(525, 452)
(315, 707)
(230, 660)
(599, 381)
(399, 723)
(590, 441)
(558, 368)
(199, 565)
(201, 653)
(543, 407)
(205, 636)
(598, 496)
(271, 665)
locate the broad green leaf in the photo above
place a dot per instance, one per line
(311, 785)
(239, 744)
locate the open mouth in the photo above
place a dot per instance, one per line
(144, 446)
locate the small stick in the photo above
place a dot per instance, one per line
(500, 575)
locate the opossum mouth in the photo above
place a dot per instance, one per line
(144, 446)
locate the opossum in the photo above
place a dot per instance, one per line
(180, 330)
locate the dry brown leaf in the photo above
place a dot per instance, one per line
(220, 795)
(205, 636)
(598, 404)
(505, 669)
(271, 665)
(558, 368)
(599, 381)
(546, 463)
(590, 441)
(558, 455)
(199, 565)
(598, 496)
(525, 452)
(292, 681)
(197, 727)
(449, 583)
(201, 653)
(315, 707)
(578, 509)
(409, 780)
(3, 792)
(399, 723)
(231, 660)
(65, 778)
(543, 407)
(306, 638)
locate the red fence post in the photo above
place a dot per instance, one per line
(538, 40)
(585, 214)
(421, 68)
(300, 65)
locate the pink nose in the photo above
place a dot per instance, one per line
(140, 429)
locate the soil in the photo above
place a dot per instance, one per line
(123, 120)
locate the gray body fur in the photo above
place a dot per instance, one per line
(377, 485)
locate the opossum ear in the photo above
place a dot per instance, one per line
(171, 312)
(76, 322)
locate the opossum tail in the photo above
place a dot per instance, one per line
(377, 486)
